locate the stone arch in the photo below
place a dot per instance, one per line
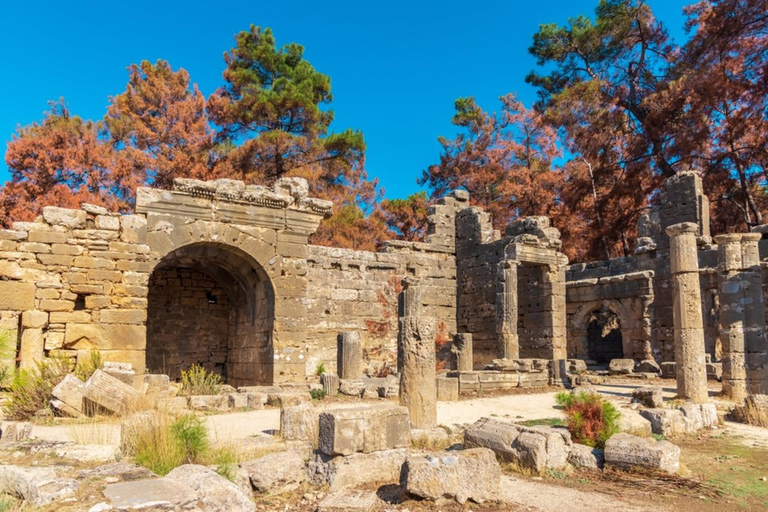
(211, 303)
(579, 327)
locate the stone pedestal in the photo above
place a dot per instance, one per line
(416, 355)
(688, 321)
(349, 355)
(506, 304)
(462, 356)
(32, 348)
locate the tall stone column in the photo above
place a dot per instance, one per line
(461, 351)
(349, 355)
(416, 355)
(731, 316)
(755, 340)
(506, 309)
(688, 321)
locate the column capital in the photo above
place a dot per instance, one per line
(683, 228)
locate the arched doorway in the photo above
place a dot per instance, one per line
(604, 339)
(211, 304)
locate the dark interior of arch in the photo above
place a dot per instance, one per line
(604, 336)
(211, 305)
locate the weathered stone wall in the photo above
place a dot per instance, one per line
(188, 322)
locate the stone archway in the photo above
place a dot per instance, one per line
(606, 313)
(604, 339)
(211, 304)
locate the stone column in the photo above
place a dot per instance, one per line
(506, 310)
(688, 321)
(416, 354)
(463, 359)
(349, 355)
(731, 316)
(755, 341)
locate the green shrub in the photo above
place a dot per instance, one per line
(191, 437)
(162, 443)
(31, 388)
(7, 357)
(199, 381)
(591, 420)
(317, 394)
(320, 369)
(88, 367)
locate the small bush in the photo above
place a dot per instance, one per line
(162, 443)
(192, 438)
(317, 394)
(320, 369)
(591, 420)
(199, 381)
(32, 387)
(88, 367)
(7, 357)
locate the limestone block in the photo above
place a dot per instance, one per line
(349, 355)
(32, 347)
(649, 396)
(357, 469)
(15, 432)
(754, 411)
(276, 472)
(586, 457)
(212, 491)
(631, 422)
(621, 366)
(256, 400)
(157, 383)
(107, 336)
(447, 389)
(208, 403)
(464, 475)
(150, 493)
(107, 222)
(16, 296)
(351, 387)
(56, 216)
(300, 423)
(38, 487)
(109, 393)
(648, 366)
(70, 392)
(123, 316)
(367, 428)
(121, 371)
(630, 452)
(666, 422)
(668, 370)
(34, 319)
(535, 448)
(462, 352)
(237, 401)
(349, 500)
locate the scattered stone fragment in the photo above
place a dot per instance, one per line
(649, 396)
(38, 486)
(621, 366)
(366, 428)
(215, 493)
(110, 394)
(160, 493)
(276, 472)
(358, 469)
(648, 366)
(463, 475)
(625, 451)
(15, 431)
(349, 500)
(582, 456)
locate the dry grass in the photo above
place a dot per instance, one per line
(751, 413)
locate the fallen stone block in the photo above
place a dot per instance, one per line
(37, 486)
(535, 448)
(463, 475)
(157, 383)
(648, 366)
(390, 388)
(152, 494)
(365, 428)
(349, 500)
(102, 391)
(625, 451)
(754, 411)
(631, 422)
(345, 471)
(214, 492)
(351, 387)
(447, 389)
(88, 452)
(577, 366)
(621, 366)
(15, 432)
(70, 393)
(668, 370)
(586, 457)
(276, 472)
(287, 398)
(330, 382)
(208, 403)
(665, 422)
(237, 401)
(256, 400)
(649, 396)
(121, 371)
(300, 423)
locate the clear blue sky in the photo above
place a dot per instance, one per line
(396, 67)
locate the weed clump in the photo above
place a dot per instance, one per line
(317, 394)
(31, 388)
(199, 381)
(88, 367)
(591, 420)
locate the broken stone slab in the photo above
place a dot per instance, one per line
(276, 472)
(754, 411)
(208, 403)
(286, 398)
(119, 470)
(668, 370)
(390, 388)
(108, 393)
(70, 393)
(648, 366)
(237, 401)
(631, 422)
(625, 451)
(464, 475)
(621, 366)
(214, 492)
(358, 469)
(87, 452)
(38, 486)
(649, 396)
(62, 409)
(157, 383)
(15, 431)
(121, 371)
(351, 387)
(586, 457)
(300, 423)
(365, 428)
(349, 500)
(152, 494)
(535, 448)
(665, 422)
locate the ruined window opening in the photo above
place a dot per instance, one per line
(604, 336)
(80, 302)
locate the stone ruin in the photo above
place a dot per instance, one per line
(223, 275)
